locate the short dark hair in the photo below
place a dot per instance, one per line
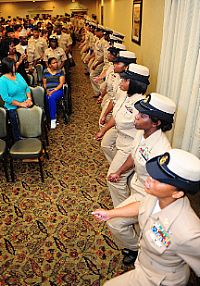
(136, 86)
(50, 60)
(7, 65)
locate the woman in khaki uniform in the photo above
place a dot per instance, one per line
(155, 117)
(120, 124)
(134, 83)
(54, 51)
(170, 230)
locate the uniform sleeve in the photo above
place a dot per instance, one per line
(45, 45)
(4, 91)
(63, 55)
(45, 56)
(189, 250)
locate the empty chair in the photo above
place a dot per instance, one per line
(3, 135)
(38, 97)
(30, 123)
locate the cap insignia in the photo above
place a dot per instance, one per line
(164, 159)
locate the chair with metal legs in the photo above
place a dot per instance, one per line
(32, 146)
(3, 145)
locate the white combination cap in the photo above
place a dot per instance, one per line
(157, 105)
(177, 168)
(119, 46)
(142, 70)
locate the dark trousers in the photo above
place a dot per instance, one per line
(14, 124)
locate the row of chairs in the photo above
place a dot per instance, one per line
(65, 104)
(34, 124)
(32, 146)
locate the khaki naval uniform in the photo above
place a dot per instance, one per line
(100, 46)
(125, 230)
(39, 44)
(124, 114)
(108, 143)
(85, 44)
(57, 53)
(21, 49)
(169, 244)
(111, 84)
(64, 41)
(32, 54)
(92, 41)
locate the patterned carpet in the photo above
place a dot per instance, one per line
(48, 236)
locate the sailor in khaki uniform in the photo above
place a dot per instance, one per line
(134, 82)
(155, 117)
(55, 52)
(89, 57)
(112, 80)
(98, 63)
(37, 44)
(109, 132)
(170, 229)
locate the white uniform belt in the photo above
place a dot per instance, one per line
(150, 264)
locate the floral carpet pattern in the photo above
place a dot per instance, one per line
(48, 236)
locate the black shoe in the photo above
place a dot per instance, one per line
(129, 256)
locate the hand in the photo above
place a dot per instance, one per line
(114, 177)
(103, 120)
(49, 93)
(99, 99)
(23, 57)
(99, 135)
(29, 102)
(31, 69)
(101, 214)
(97, 79)
(23, 104)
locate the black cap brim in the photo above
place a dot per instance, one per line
(156, 172)
(125, 60)
(146, 108)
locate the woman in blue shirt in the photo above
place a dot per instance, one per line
(53, 80)
(14, 92)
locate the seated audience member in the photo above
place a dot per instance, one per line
(170, 230)
(53, 81)
(14, 92)
(19, 58)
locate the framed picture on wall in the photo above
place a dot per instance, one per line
(137, 21)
